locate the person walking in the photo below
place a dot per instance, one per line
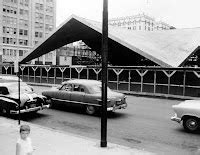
(24, 144)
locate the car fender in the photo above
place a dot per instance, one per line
(7, 99)
(189, 115)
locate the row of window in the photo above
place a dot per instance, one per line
(23, 32)
(23, 12)
(49, 18)
(39, 16)
(7, 40)
(23, 42)
(23, 23)
(130, 23)
(10, 1)
(49, 1)
(39, 25)
(39, 7)
(48, 27)
(9, 30)
(13, 41)
(49, 9)
(13, 52)
(21, 2)
(140, 28)
(38, 34)
(9, 9)
(9, 20)
(10, 52)
(24, 2)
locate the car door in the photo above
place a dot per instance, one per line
(64, 93)
(77, 94)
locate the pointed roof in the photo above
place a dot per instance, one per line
(167, 48)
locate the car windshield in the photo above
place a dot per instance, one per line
(97, 89)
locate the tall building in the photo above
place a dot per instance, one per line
(24, 24)
(139, 22)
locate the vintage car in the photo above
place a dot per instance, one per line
(188, 113)
(9, 97)
(87, 93)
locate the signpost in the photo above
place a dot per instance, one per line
(16, 70)
(104, 74)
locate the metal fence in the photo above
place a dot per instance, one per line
(148, 80)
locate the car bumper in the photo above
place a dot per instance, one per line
(122, 106)
(176, 119)
(30, 109)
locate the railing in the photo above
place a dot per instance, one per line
(149, 80)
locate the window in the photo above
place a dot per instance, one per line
(66, 87)
(4, 51)
(25, 32)
(20, 32)
(20, 52)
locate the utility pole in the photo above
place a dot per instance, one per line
(104, 74)
(16, 70)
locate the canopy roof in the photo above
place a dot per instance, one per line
(169, 48)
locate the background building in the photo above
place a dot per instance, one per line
(139, 22)
(24, 24)
(77, 53)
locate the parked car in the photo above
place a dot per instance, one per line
(9, 97)
(86, 93)
(188, 113)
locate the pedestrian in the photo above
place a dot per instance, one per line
(24, 144)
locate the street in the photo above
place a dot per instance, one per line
(145, 124)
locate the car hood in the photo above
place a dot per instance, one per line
(24, 97)
(189, 103)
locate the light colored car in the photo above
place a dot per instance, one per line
(188, 113)
(86, 93)
(9, 97)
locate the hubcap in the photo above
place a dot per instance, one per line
(90, 109)
(192, 124)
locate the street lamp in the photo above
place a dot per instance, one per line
(104, 74)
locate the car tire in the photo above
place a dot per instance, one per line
(90, 109)
(191, 124)
(4, 112)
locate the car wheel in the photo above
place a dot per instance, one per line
(4, 112)
(191, 124)
(90, 109)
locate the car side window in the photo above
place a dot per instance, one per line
(4, 91)
(82, 89)
(76, 87)
(66, 87)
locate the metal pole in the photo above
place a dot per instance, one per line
(104, 74)
(19, 93)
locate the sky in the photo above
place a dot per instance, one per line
(177, 13)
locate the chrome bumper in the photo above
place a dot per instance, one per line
(176, 119)
(122, 106)
(30, 109)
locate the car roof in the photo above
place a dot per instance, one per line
(83, 82)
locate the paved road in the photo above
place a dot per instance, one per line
(144, 124)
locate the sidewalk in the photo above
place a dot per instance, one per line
(47, 141)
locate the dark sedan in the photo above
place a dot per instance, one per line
(86, 93)
(9, 97)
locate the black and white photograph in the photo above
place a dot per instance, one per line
(99, 77)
